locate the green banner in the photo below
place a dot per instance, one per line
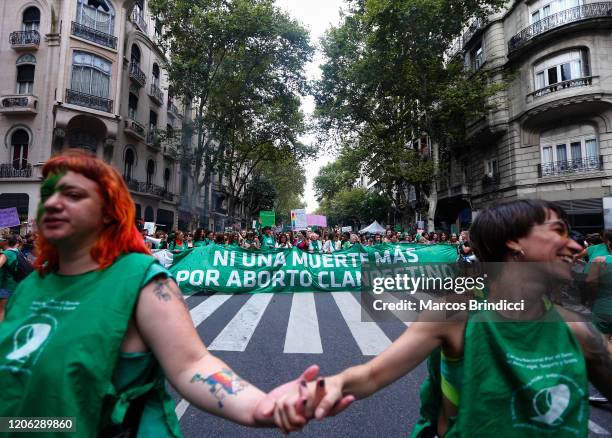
(217, 268)
(267, 218)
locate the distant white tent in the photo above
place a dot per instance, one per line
(373, 228)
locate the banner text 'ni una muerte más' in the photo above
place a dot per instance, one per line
(217, 268)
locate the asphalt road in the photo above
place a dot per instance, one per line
(270, 339)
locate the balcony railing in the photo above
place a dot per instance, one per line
(475, 26)
(591, 10)
(157, 94)
(171, 152)
(557, 168)
(24, 39)
(153, 139)
(135, 129)
(572, 83)
(138, 19)
(7, 170)
(93, 35)
(172, 108)
(490, 180)
(89, 101)
(151, 189)
(137, 74)
(19, 104)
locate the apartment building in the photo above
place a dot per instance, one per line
(89, 74)
(550, 134)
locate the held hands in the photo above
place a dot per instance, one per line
(317, 399)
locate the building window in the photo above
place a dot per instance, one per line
(569, 149)
(135, 55)
(25, 78)
(129, 164)
(477, 56)
(132, 106)
(491, 168)
(20, 141)
(152, 121)
(158, 29)
(90, 74)
(167, 179)
(31, 19)
(96, 14)
(156, 75)
(563, 67)
(150, 171)
(544, 8)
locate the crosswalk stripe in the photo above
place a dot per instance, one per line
(181, 408)
(236, 335)
(368, 335)
(203, 310)
(303, 334)
(596, 428)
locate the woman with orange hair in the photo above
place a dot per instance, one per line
(92, 333)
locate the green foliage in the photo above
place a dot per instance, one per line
(242, 64)
(334, 177)
(354, 206)
(387, 80)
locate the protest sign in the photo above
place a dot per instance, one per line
(298, 219)
(9, 217)
(267, 218)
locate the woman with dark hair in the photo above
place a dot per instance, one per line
(497, 372)
(220, 239)
(283, 242)
(93, 334)
(199, 238)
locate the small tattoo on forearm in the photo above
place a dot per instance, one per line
(222, 384)
(161, 290)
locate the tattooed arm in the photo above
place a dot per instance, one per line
(164, 323)
(598, 355)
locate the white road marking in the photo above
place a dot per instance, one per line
(236, 335)
(369, 336)
(303, 334)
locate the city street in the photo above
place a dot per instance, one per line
(270, 338)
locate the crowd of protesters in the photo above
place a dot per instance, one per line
(322, 241)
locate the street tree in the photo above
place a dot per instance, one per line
(387, 80)
(241, 64)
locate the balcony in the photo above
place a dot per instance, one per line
(569, 167)
(490, 181)
(137, 75)
(138, 19)
(18, 104)
(24, 40)
(173, 109)
(135, 130)
(89, 101)
(156, 95)
(153, 140)
(572, 83)
(171, 152)
(572, 15)
(475, 26)
(93, 35)
(7, 170)
(149, 189)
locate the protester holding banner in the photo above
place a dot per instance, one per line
(102, 318)
(315, 244)
(283, 242)
(178, 243)
(199, 238)
(492, 374)
(267, 240)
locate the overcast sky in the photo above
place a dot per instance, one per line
(316, 16)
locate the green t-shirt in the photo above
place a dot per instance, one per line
(6, 277)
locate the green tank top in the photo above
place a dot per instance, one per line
(520, 379)
(61, 342)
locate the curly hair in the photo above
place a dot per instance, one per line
(119, 234)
